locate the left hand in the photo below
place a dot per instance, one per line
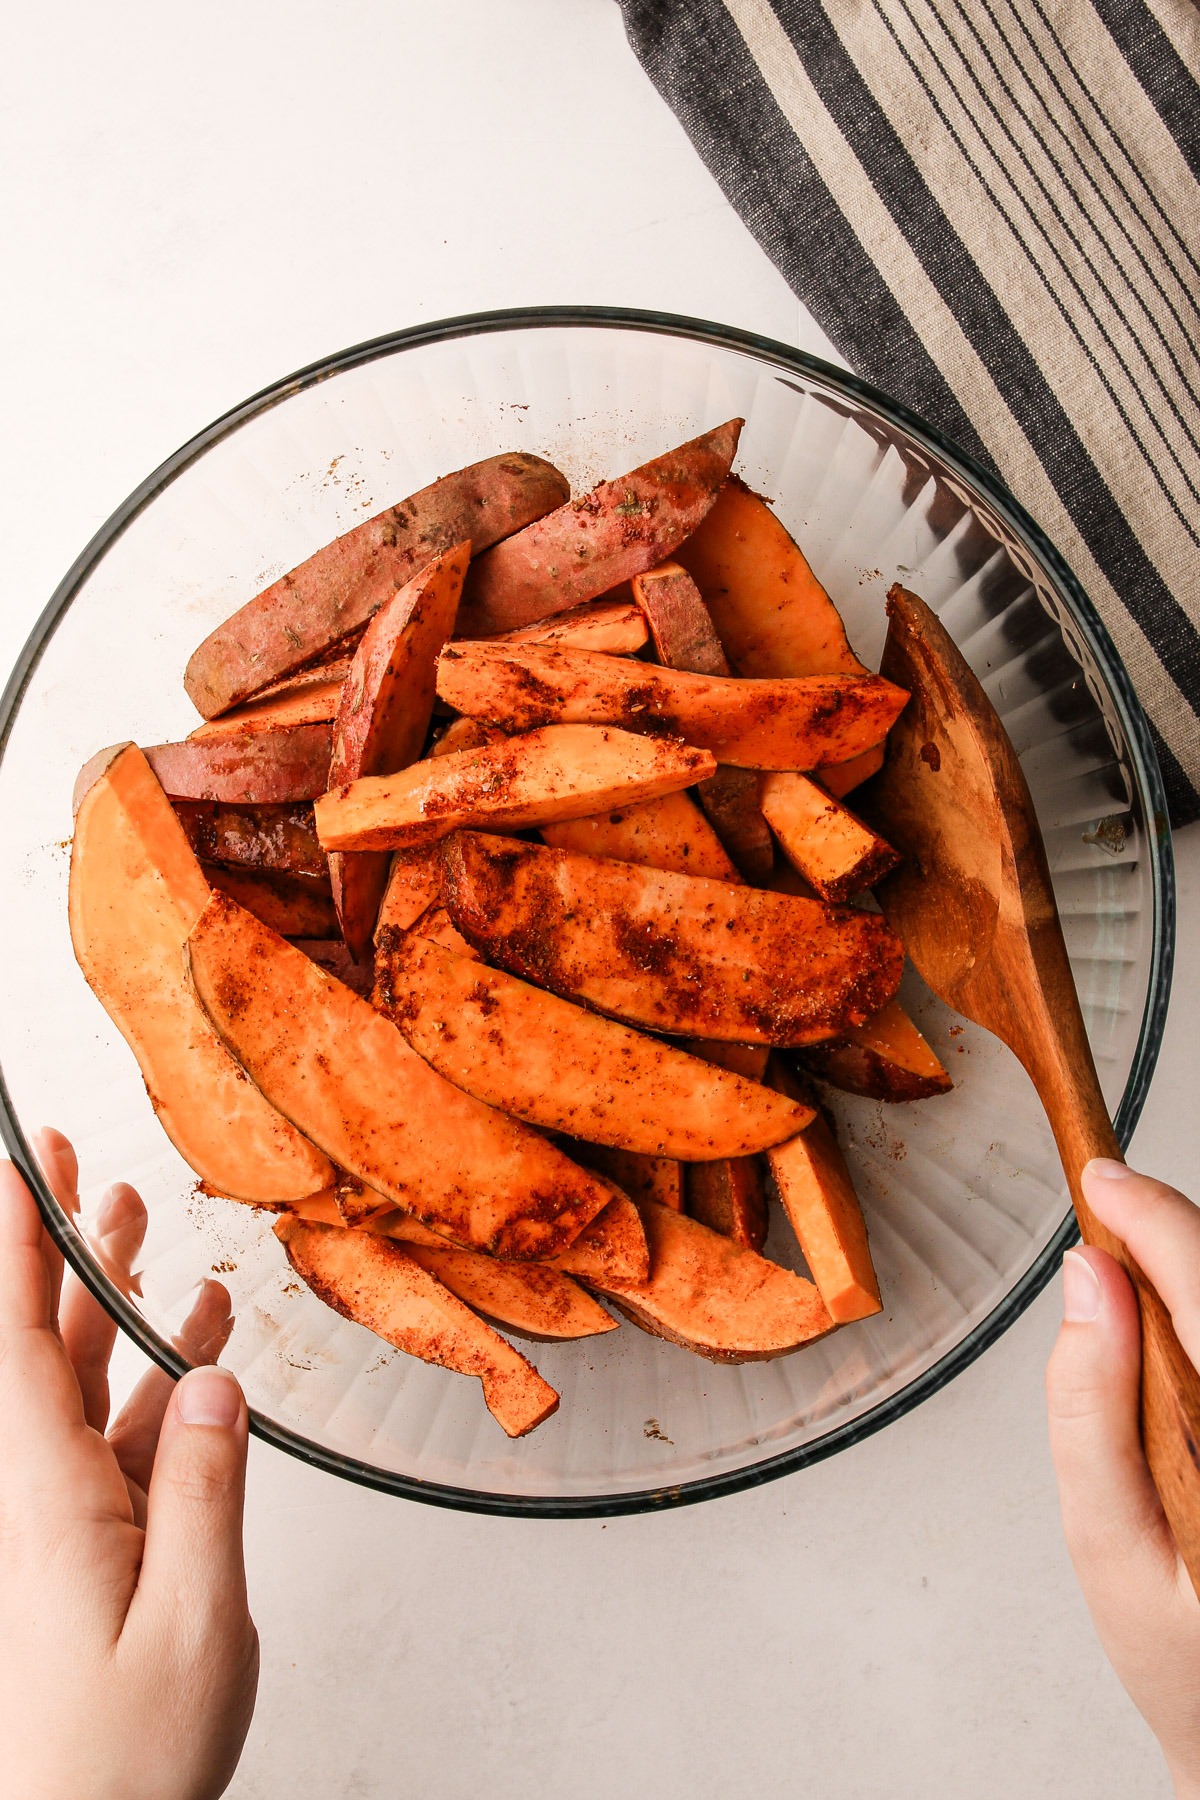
(128, 1658)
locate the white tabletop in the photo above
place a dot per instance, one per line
(194, 201)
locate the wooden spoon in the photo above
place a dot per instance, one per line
(974, 906)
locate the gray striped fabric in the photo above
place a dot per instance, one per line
(993, 209)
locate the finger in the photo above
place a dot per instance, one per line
(39, 1396)
(193, 1559)
(202, 1337)
(1112, 1520)
(88, 1332)
(60, 1166)
(1161, 1229)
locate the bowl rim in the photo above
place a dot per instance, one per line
(1142, 757)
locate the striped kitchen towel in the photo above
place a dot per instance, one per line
(992, 207)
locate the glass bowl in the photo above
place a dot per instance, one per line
(964, 1197)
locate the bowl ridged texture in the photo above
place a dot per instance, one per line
(963, 1195)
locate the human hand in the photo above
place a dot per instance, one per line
(128, 1658)
(1139, 1594)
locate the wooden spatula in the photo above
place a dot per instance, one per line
(975, 909)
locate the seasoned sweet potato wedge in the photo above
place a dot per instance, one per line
(729, 1197)
(771, 613)
(136, 892)
(294, 621)
(671, 952)
(324, 1055)
(836, 853)
(589, 545)
(657, 1178)
(293, 905)
(386, 705)
(283, 764)
(885, 1059)
(435, 924)
(716, 1297)
(465, 734)
(332, 955)
(562, 772)
(375, 1282)
(254, 837)
(553, 1064)
(615, 626)
(414, 885)
(818, 1196)
(667, 833)
(306, 702)
(679, 622)
(613, 1246)
(730, 802)
(792, 724)
(749, 1060)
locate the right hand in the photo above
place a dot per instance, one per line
(1137, 1589)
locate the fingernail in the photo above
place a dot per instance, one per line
(1104, 1168)
(1081, 1290)
(209, 1397)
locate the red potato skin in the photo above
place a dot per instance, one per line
(786, 724)
(383, 719)
(280, 766)
(590, 545)
(672, 953)
(295, 621)
(279, 838)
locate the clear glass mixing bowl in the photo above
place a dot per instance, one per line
(963, 1195)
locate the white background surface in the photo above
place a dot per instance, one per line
(193, 202)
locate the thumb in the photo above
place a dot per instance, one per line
(193, 1550)
(1112, 1520)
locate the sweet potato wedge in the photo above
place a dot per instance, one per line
(294, 621)
(436, 926)
(254, 837)
(714, 1296)
(836, 853)
(729, 1197)
(562, 772)
(414, 885)
(667, 833)
(885, 1059)
(771, 613)
(679, 622)
(589, 545)
(332, 955)
(324, 1055)
(818, 1196)
(613, 1246)
(558, 1066)
(615, 626)
(377, 1283)
(749, 1060)
(136, 891)
(293, 905)
(792, 724)
(657, 1178)
(671, 952)
(383, 718)
(307, 702)
(283, 764)
(730, 802)
(466, 734)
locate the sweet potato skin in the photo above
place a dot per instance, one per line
(670, 952)
(884, 1059)
(833, 849)
(591, 544)
(283, 764)
(787, 724)
(666, 833)
(383, 718)
(294, 621)
(614, 626)
(679, 622)
(715, 1297)
(136, 890)
(376, 1283)
(281, 838)
(377, 1109)
(559, 1067)
(296, 906)
(561, 772)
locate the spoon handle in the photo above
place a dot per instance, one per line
(1170, 1383)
